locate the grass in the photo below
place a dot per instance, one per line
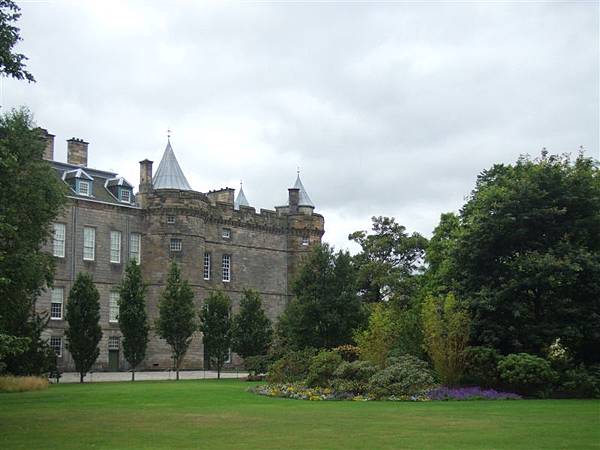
(222, 415)
(9, 383)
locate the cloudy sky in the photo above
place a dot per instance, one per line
(388, 108)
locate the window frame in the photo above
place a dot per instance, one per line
(53, 302)
(85, 183)
(111, 341)
(175, 248)
(138, 241)
(171, 219)
(226, 268)
(122, 193)
(226, 233)
(52, 346)
(61, 242)
(115, 238)
(92, 230)
(206, 267)
(306, 240)
(113, 305)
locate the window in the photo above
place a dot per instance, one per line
(56, 344)
(125, 195)
(226, 268)
(113, 307)
(175, 245)
(226, 233)
(84, 187)
(58, 245)
(114, 342)
(135, 242)
(207, 266)
(170, 218)
(56, 303)
(305, 240)
(115, 246)
(89, 243)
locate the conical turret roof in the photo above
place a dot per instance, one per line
(241, 199)
(304, 199)
(169, 175)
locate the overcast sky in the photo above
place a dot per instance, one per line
(388, 108)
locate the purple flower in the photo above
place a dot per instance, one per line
(469, 393)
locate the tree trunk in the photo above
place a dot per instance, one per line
(81, 375)
(133, 374)
(218, 371)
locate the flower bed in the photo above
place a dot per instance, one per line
(301, 392)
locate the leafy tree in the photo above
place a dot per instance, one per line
(31, 195)
(215, 324)
(83, 328)
(10, 346)
(446, 325)
(376, 341)
(11, 64)
(525, 254)
(326, 309)
(177, 318)
(251, 328)
(133, 319)
(389, 260)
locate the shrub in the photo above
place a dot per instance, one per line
(527, 374)
(321, 368)
(256, 365)
(348, 352)
(481, 368)
(353, 376)
(405, 377)
(22, 384)
(580, 382)
(292, 367)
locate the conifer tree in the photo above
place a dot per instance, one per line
(83, 331)
(216, 328)
(133, 319)
(251, 328)
(177, 318)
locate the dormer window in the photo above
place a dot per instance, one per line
(125, 195)
(83, 188)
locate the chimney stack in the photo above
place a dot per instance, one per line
(145, 176)
(49, 144)
(77, 152)
(293, 199)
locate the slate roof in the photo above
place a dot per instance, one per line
(98, 178)
(169, 175)
(241, 199)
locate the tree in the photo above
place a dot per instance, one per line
(326, 309)
(251, 328)
(31, 195)
(83, 328)
(11, 64)
(525, 255)
(389, 260)
(446, 328)
(177, 318)
(215, 324)
(376, 341)
(133, 319)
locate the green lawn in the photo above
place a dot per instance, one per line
(220, 414)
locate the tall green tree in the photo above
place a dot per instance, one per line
(326, 309)
(389, 261)
(133, 319)
(176, 322)
(31, 196)
(83, 323)
(446, 329)
(251, 328)
(215, 324)
(525, 254)
(12, 64)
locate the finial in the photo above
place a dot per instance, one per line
(241, 183)
(169, 134)
(298, 170)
